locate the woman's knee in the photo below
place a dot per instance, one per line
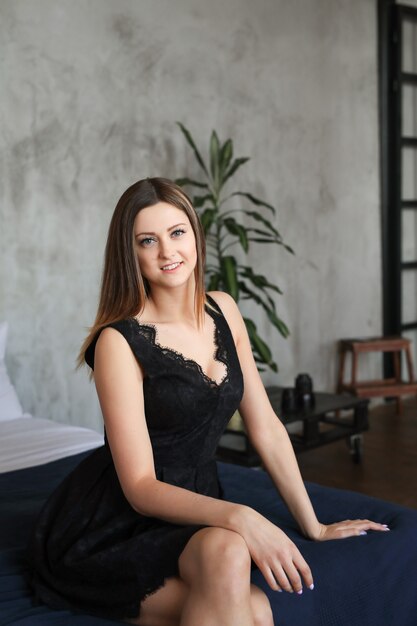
(216, 554)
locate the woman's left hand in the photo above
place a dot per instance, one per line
(348, 528)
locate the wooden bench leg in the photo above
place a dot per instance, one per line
(410, 367)
(397, 373)
(397, 366)
(341, 375)
(354, 368)
(409, 364)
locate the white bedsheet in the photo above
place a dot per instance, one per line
(29, 441)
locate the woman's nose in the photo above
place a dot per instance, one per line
(166, 248)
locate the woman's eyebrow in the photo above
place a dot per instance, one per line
(168, 229)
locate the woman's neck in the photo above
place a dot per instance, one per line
(171, 305)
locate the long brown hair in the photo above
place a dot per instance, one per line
(123, 288)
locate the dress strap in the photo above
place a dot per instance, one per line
(213, 304)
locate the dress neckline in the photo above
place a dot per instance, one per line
(218, 352)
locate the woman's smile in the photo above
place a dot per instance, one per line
(172, 267)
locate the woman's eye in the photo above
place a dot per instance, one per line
(178, 232)
(146, 241)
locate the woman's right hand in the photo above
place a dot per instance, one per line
(277, 557)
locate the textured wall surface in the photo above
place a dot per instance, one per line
(90, 95)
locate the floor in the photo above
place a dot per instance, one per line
(389, 466)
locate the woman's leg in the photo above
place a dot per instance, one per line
(216, 566)
(214, 588)
(261, 608)
(164, 607)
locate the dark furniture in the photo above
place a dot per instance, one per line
(331, 418)
(360, 581)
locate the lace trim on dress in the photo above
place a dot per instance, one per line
(150, 332)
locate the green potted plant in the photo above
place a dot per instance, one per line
(224, 230)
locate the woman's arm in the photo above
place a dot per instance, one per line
(270, 438)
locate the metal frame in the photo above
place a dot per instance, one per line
(391, 17)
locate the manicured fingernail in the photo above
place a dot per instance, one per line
(280, 590)
(300, 592)
(363, 532)
(311, 586)
(386, 528)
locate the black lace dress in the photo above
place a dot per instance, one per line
(90, 551)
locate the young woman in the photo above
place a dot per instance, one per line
(139, 531)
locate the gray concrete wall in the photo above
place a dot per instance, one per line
(90, 95)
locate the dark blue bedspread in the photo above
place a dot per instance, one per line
(362, 581)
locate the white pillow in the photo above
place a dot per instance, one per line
(10, 407)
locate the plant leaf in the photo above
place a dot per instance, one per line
(258, 280)
(263, 240)
(252, 296)
(235, 165)
(264, 233)
(207, 218)
(214, 158)
(265, 222)
(274, 319)
(191, 143)
(213, 283)
(259, 345)
(236, 229)
(260, 231)
(281, 326)
(254, 200)
(199, 201)
(189, 181)
(225, 157)
(229, 276)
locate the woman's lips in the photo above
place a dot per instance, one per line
(171, 267)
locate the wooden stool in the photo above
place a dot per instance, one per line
(386, 387)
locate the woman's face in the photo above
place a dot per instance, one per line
(165, 245)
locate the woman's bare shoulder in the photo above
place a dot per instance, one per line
(110, 339)
(113, 351)
(224, 300)
(231, 312)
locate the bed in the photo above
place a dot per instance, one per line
(361, 581)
